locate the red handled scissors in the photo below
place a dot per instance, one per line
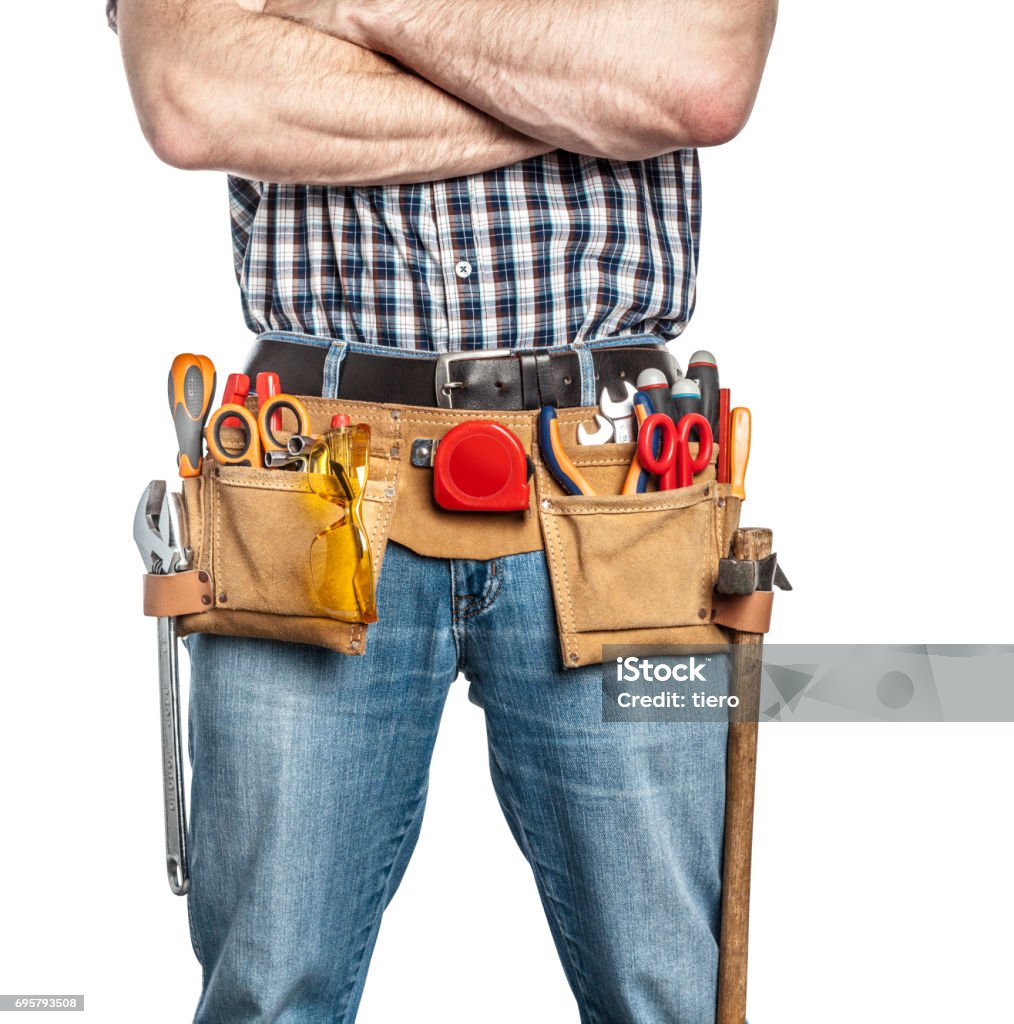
(673, 464)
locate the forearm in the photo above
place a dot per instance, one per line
(607, 77)
(225, 87)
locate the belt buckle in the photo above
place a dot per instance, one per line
(445, 387)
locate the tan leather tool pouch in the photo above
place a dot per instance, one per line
(251, 530)
(632, 569)
(624, 569)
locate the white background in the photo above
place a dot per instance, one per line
(855, 286)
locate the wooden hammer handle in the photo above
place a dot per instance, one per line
(741, 773)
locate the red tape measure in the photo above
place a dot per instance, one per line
(480, 466)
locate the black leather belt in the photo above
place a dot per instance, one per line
(484, 379)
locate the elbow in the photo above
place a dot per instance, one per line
(714, 116)
(177, 142)
(708, 110)
(716, 107)
(174, 125)
(712, 100)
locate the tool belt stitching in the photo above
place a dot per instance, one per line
(721, 515)
(712, 557)
(215, 547)
(425, 416)
(629, 505)
(196, 523)
(296, 485)
(217, 522)
(617, 461)
(429, 419)
(421, 414)
(410, 413)
(551, 541)
(553, 547)
(621, 458)
(380, 527)
(293, 481)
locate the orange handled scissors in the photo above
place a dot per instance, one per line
(259, 434)
(673, 464)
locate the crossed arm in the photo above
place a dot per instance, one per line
(301, 90)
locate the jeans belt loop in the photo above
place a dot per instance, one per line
(586, 365)
(332, 369)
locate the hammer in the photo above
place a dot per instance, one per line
(741, 775)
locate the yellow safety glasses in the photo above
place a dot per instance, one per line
(341, 565)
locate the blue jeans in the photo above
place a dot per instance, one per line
(310, 772)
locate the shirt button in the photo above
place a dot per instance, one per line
(463, 268)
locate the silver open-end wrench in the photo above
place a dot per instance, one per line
(602, 435)
(621, 413)
(160, 534)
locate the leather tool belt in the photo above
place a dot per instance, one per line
(624, 568)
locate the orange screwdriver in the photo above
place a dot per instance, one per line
(192, 382)
(739, 450)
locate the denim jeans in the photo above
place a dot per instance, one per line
(310, 773)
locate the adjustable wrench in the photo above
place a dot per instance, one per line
(160, 535)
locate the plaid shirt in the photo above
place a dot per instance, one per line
(552, 250)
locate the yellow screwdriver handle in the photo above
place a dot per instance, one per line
(739, 450)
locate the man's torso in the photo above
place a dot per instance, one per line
(553, 250)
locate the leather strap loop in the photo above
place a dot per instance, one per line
(747, 613)
(552, 391)
(178, 593)
(529, 381)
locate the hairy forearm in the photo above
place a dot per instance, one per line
(606, 77)
(222, 86)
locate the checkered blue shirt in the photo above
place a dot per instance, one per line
(552, 250)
